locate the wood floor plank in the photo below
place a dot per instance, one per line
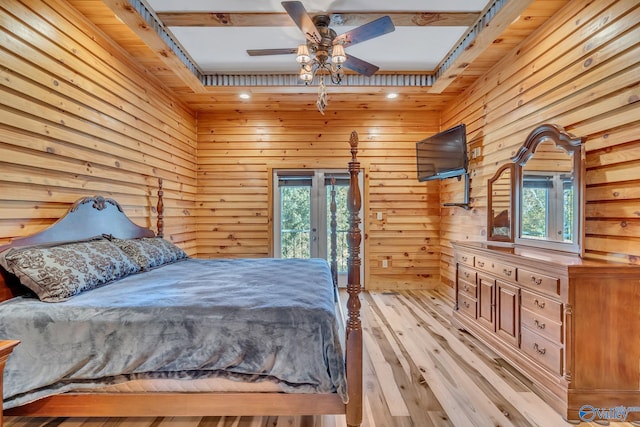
(179, 422)
(512, 385)
(384, 374)
(374, 321)
(441, 312)
(418, 397)
(419, 371)
(529, 405)
(459, 396)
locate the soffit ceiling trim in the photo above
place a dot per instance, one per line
(470, 36)
(150, 18)
(282, 19)
(380, 79)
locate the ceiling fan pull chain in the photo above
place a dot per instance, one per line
(321, 103)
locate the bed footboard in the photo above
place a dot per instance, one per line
(6, 347)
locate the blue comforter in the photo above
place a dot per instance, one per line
(246, 319)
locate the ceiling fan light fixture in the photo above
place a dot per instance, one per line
(303, 56)
(306, 73)
(323, 54)
(338, 55)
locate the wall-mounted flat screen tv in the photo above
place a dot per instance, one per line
(443, 155)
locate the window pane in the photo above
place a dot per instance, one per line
(295, 232)
(535, 203)
(568, 204)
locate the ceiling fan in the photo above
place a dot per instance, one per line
(324, 49)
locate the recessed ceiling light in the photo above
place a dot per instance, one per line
(245, 96)
(392, 95)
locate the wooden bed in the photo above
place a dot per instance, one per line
(83, 221)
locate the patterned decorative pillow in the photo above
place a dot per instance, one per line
(57, 272)
(150, 252)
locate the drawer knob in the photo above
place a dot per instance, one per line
(535, 280)
(539, 304)
(466, 274)
(466, 288)
(466, 304)
(480, 264)
(464, 258)
(539, 324)
(507, 272)
(539, 350)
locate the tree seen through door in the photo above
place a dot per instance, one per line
(301, 228)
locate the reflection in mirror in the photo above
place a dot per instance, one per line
(548, 194)
(550, 190)
(500, 202)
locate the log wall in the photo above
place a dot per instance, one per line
(581, 70)
(238, 150)
(78, 117)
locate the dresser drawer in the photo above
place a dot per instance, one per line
(541, 306)
(467, 306)
(542, 350)
(465, 259)
(503, 271)
(483, 263)
(539, 282)
(541, 325)
(466, 274)
(468, 289)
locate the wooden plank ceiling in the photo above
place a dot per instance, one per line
(515, 21)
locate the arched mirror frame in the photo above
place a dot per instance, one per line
(572, 145)
(494, 221)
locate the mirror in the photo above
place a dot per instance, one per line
(550, 189)
(500, 204)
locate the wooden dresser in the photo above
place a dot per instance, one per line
(570, 325)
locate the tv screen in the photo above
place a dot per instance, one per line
(443, 155)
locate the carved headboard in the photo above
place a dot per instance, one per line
(86, 218)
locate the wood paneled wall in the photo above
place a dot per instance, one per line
(581, 70)
(238, 149)
(78, 117)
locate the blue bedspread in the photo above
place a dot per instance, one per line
(248, 319)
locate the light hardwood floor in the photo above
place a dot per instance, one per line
(419, 371)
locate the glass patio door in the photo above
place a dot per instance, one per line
(302, 221)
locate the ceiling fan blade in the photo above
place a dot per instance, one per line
(359, 66)
(265, 52)
(299, 14)
(367, 31)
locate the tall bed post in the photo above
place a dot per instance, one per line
(354, 324)
(160, 210)
(334, 231)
